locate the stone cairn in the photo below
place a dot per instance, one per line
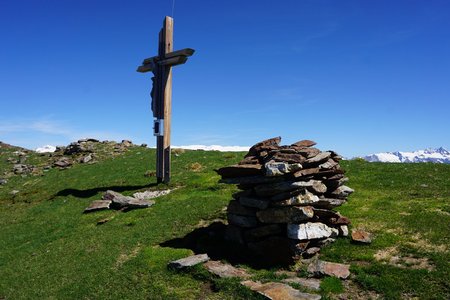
(284, 209)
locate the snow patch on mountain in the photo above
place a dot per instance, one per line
(46, 149)
(439, 155)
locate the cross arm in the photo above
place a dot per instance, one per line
(170, 59)
(183, 52)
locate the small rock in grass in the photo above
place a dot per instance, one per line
(311, 251)
(86, 159)
(3, 181)
(361, 236)
(98, 205)
(309, 283)
(63, 162)
(278, 291)
(342, 192)
(14, 192)
(343, 230)
(188, 261)
(127, 143)
(225, 270)
(321, 268)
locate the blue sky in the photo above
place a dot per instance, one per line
(356, 76)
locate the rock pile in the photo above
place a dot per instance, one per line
(284, 208)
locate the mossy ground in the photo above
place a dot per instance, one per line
(51, 250)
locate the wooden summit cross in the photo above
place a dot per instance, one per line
(161, 94)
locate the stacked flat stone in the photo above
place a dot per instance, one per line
(288, 193)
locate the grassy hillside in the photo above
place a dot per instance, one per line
(51, 250)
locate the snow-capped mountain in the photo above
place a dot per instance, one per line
(46, 149)
(439, 155)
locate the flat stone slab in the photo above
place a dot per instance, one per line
(278, 291)
(118, 199)
(310, 231)
(329, 164)
(225, 270)
(137, 203)
(304, 143)
(234, 207)
(330, 217)
(127, 202)
(254, 202)
(242, 221)
(147, 195)
(342, 192)
(280, 168)
(323, 156)
(307, 152)
(328, 203)
(303, 198)
(309, 283)
(361, 236)
(290, 158)
(257, 233)
(321, 268)
(289, 214)
(267, 190)
(269, 143)
(188, 261)
(98, 205)
(63, 162)
(306, 172)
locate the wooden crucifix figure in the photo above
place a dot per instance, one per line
(161, 94)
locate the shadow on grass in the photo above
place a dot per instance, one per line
(92, 192)
(211, 240)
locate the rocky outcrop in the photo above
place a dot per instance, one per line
(287, 197)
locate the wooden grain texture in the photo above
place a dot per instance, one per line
(168, 47)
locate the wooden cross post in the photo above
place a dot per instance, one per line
(161, 66)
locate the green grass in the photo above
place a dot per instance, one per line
(51, 250)
(331, 285)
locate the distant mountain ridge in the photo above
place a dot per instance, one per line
(439, 155)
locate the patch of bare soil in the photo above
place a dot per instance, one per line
(421, 243)
(392, 257)
(355, 292)
(124, 257)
